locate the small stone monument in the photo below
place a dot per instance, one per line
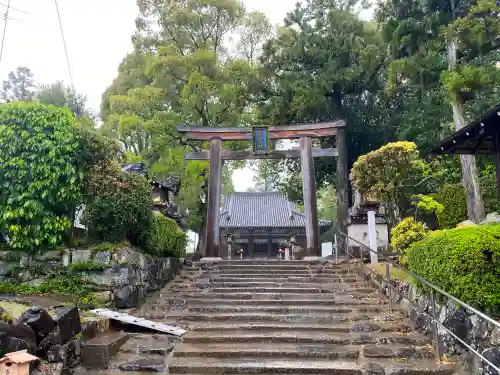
(357, 227)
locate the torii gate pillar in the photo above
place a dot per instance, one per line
(212, 237)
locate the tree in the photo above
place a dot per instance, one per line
(255, 29)
(324, 65)
(20, 85)
(327, 207)
(38, 173)
(66, 97)
(421, 53)
(477, 34)
(384, 174)
(181, 73)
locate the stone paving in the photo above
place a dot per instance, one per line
(270, 317)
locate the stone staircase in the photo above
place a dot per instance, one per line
(269, 317)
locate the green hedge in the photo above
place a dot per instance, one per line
(452, 197)
(165, 239)
(465, 262)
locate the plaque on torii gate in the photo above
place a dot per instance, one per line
(261, 137)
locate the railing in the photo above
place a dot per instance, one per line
(343, 244)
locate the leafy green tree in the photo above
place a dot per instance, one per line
(327, 207)
(324, 64)
(254, 31)
(181, 73)
(62, 96)
(447, 42)
(38, 173)
(384, 174)
(20, 85)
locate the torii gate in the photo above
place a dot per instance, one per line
(261, 136)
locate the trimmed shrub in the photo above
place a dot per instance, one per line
(165, 239)
(452, 197)
(464, 262)
(404, 234)
(118, 206)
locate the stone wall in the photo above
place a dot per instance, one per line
(481, 335)
(130, 277)
(126, 277)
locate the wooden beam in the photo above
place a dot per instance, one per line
(213, 203)
(273, 154)
(203, 133)
(310, 199)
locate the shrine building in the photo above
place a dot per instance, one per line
(261, 224)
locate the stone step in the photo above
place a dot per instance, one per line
(287, 284)
(267, 350)
(263, 301)
(133, 363)
(304, 337)
(271, 309)
(271, 261)
(269, 268)
(313, 327)
(180, 365)
(296, 290)
(292, 366)
(171, 318)
(278, 279)
(270, 295)
(149, 344)
(81, 371)
(281, 271)
(277, 274)
(303, 350)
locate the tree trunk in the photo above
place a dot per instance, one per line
(475, 204)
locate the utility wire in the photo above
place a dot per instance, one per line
(64, 44)
(12, 8)
(6, 18)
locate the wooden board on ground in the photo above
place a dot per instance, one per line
(141, 322)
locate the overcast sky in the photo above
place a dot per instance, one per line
(98, 37)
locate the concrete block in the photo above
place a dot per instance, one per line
(97, 352)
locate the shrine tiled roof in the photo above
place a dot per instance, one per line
(262, 210)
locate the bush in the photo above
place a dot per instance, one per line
(452, 197)
(404, 234)
(39, 175)
(118, 206)
(165, 238)
(464, 262)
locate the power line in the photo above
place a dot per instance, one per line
(6, 18)
(64, 44)
(12, 8)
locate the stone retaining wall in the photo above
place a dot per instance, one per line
(128, 277)
(481, 335)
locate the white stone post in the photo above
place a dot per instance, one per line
(372, 236)
(66, 258)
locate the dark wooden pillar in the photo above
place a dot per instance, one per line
(213, 204)
(269, 244)
(310, 200)
(250, 244)
(342, 184)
